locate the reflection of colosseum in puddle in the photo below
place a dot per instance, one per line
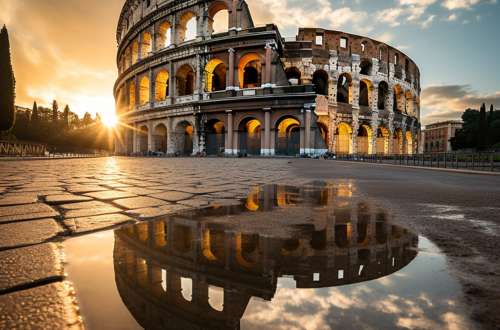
(178, 271)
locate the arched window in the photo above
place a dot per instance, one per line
(249, 71)
(163, 36)
(383, 90)
(215, 75)
(320, 81)
(144, 91)
(218, 17)
(396, 59)
(185, 80)
(161, 85)
(146, 45)
(293, 76)
(132, 95)
(187, 27)
(135, 52)
(366, 68)
(344, 88)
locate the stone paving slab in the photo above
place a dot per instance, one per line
(81, 225)
(118, 185)
(35, 193)
(148, 213)
(17, 200)
(172, 196)
(79, 213)
(63, 199)
(197, 203)
(140, 202)
(85, 189)
(110, 195)
(30, 208)
(29, 264)
(38, 189)
(143, 191)
(50, 306)
(27, 233)
(29, 216)
(200, 191)
(84, 205)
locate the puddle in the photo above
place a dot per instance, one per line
(307, 257)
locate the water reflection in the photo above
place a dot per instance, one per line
(201, 269)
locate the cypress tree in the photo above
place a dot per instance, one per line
(34, 114)
(55, 108)
(66, 116)
(7, 84)
(481, 129)
(490, 116)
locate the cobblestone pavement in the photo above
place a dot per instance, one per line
(42, 202)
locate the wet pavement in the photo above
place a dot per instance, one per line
(44, 202)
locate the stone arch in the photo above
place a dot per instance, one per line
(160, 139)
(291, 245)
(287, 136)
(397, 143)
(215, 75)
(183, 238)
(247, 249)
(364, 139)
(215, 137)
(366, 68)
(344, 88)
(396, 59)
(185, 80)
(218, 9)
(365, 92)
(216, 298)
(399, 99)
(213, 244)
(383, 91)
(294, 76)
(183, 138)
(318, 240)
(383, 135)
(146, 46)
(144, 91)
(163, 36)
(185, 26)
(250, 71)
(409, 103)
(409, 142)
(135, 52)
(161, 85)
(132, 95)
(325, 132)
(143, 140)
(343, 136)
(160, 232)
(320, 81)
(249, 136)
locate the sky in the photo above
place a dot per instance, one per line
(66, 50)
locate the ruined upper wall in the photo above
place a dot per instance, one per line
(332, 42)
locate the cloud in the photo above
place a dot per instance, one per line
(385, 37)
(458, 4)
(425, 24)
(389, 16)
(445, 102)
(452, 17)
(417, 2)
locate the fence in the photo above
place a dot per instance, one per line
(37, 149)
(477, 161)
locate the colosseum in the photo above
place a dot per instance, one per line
(184, 87)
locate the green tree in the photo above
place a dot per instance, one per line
(66, 116)
(7, 84)
(481, 129)
(87, 120)
(55, 109)
(97, 118)
(34, 114)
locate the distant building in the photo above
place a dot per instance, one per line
(22, 111)
(437, 135)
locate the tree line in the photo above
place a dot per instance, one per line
(480, 130)
(62, 128)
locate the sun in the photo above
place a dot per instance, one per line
(110, 120)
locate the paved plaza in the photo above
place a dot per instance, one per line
(43, 202)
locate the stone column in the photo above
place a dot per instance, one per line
(307, 131)
(332, 92)
(267, 78)
(267, 132)
(230, 80)
(355, 128)
(197, 86)
(420, 141)
(413, 141)
(403, 132)
(230, 129)
(374, 132)
(135, 135)
(354, 94)
(390, 146)
(152, 88)
(171, 81)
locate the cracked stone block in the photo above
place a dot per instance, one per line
(111, 194)
(140, 202)
(172, 196)
(27, 233)
(197, 203)
(84, 205)
(85, 189)
(148, 213)
(78, 213)
(30, 264)
(17, 200)
(30, 208)
(29, 216)
(176, 208)
(81, 225)
(51, 306)
(142, 191)
(62, 199)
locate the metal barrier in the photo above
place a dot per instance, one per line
(477, 161)
(37, 149)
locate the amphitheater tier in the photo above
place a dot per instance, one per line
(183, 88)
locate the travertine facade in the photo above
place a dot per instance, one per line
(250, 89)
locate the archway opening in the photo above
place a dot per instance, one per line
(144, 91)
(344, 88)
(250, 71)
(218, 18)
(146, 45)
(247, 249)
(160, 138)
(182, 237)
(363, 94)
(397, 143)
(323, 128)
(161, 85)
(293, 76)
(399, 99)
(343, 137)
(382, 140)
(216, 297)
(366, 68)
(164, 36)
(318, 240)
(132, 95)
(409, 143)
(364, 139)
(320, 81)
(287, 137)
(383, 90)
(215, 76)
(215, 137)
(249, 136)
(143, 140)
(185, 80)
(187, 27)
